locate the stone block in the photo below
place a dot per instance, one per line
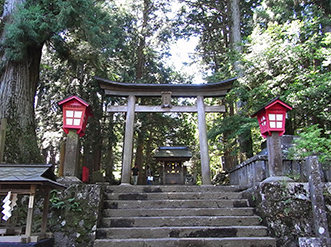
(316, 242)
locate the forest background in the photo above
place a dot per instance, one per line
(52, 49)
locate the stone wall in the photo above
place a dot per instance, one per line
(74, 214)
(286, 209)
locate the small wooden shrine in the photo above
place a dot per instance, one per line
(172, 160)
(31, 180)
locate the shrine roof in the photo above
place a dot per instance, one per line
(173, 152)
(28, 174)
(177, 90)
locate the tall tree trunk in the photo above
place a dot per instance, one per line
(139, 156)
(110, 157)
(18, 84)
(140, 72)
(246, 145)
(235, 34)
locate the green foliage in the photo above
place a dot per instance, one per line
(286, 54)
(35, 22)
(71, 61)
(225, 132)
(290, 61)
(233, 126)
(211, 21)
(76, 219)
(69, 204)
(311, 142)
(29, 27)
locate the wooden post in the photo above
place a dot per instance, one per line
(182, 181)
(275, 162)
(164, 172)
(62, 158)
(205, 168)
(128, 141)
(71, 154)
(3, 126)
(29, 217)
(45, 211)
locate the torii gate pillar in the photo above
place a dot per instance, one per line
(205, 167)
(128, 141)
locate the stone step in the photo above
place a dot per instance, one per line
(150, 212)
(174, 195)
(182, 232)
(169, 221)
(179, 216)
(223, 203)
(185, 242)
(169, 188)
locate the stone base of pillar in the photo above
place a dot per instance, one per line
(69, 180)
(316, 242)
(277, 179)
(125, 184)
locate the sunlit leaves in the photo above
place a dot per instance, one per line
(225, 132)
(311, 142)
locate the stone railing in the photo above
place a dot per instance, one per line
(255, 170)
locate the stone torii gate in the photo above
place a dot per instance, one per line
(165, 91)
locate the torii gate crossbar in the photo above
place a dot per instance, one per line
(165, 91)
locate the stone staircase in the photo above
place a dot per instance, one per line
(181, 216)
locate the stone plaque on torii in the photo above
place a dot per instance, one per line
(166, 92)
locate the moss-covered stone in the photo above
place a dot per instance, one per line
(74, 215)
(285, 208)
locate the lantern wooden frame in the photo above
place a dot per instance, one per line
(75, 114)
(272, 117)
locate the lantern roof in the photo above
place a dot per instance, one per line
(273, 102)
(73, 97)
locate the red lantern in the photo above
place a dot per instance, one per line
(272, 117)
(75, 114)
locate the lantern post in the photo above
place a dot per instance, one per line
(271, 120)
(75, 114)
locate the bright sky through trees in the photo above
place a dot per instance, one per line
(181, 53)
(182, 50)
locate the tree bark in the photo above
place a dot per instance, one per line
(140, 73)
(245, 146)
(18, 84)
(235, 34)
